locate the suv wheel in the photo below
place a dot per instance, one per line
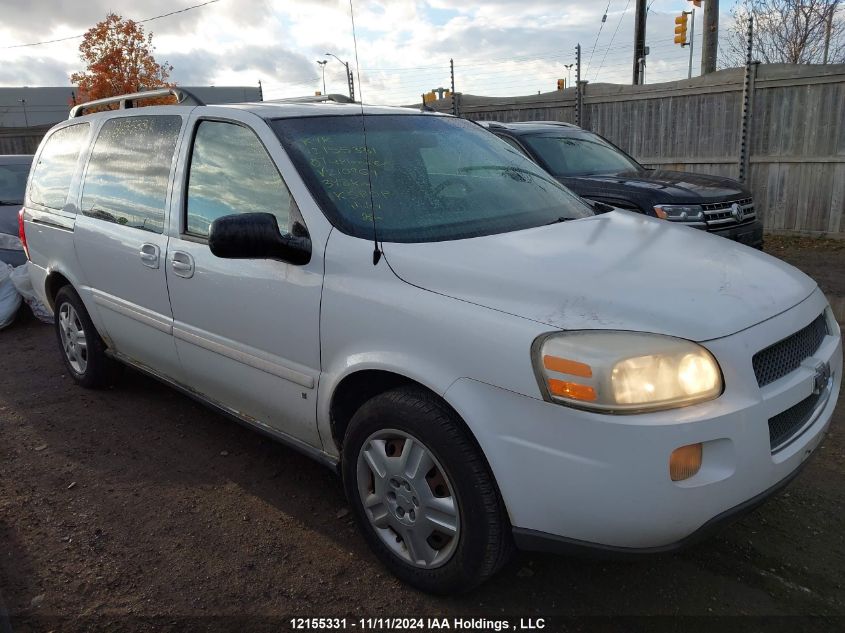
(83, 351)
(422, 493)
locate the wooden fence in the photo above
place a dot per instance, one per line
(796, 133)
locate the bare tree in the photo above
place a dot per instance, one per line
(786, 32)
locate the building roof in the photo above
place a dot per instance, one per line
(45, 106)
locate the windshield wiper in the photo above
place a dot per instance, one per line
(559, 220)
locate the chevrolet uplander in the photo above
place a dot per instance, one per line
(408, 299)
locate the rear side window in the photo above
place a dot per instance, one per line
(127, 177)
(231, 172)
(56, 164)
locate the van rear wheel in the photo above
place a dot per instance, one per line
(422, 492)
(83, 351)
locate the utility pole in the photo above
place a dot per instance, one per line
(639, 40)
(710, 36)
(691, 40)
(828, 27)
(349, 79)
(25, 117)
(322, 64)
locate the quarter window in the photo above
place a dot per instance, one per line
(56, 164)
(129, 171)
(231, 173)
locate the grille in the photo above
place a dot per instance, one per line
(717, 206)
(721, 213)
(784, 426)
(786, 355)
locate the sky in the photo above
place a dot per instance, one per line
(500, 47)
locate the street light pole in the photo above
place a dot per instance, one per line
(568, 73)
(349, 78)
(25, 117)
(323, 68)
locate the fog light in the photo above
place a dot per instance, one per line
(685, 462)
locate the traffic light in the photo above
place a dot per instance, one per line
(696, 3)
(429, 97)
(561, 84)
(681, 29)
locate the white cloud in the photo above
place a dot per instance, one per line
(500, 47)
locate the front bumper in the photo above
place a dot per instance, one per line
(534, 541)
(603, 480)
(750, 234)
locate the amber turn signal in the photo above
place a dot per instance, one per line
(566, 366)
(685, 462)
(573, 390)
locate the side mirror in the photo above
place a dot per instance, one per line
(256, 236)
(599, 207)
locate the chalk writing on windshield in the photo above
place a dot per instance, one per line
(343, 172)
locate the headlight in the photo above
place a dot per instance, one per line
(680, 212)
(624, 372)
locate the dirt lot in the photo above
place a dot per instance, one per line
(137, 509)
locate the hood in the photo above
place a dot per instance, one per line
(620, 270)
(673, 186)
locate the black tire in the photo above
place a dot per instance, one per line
(484, 542)
(98, 370)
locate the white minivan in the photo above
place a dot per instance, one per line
(406, 298)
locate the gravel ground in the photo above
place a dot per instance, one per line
(135, 508)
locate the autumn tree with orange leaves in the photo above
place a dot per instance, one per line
(119, 59)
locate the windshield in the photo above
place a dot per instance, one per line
(428, 178)
(13, 183)
(579, 155)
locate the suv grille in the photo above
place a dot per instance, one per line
(784, 426)
(786, 355)
(720, 214)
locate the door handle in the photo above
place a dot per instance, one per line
(182, 264)
(150, 255)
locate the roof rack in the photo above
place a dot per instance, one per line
(128, 100)
(560, 123)
(337, 98)
(488, 124)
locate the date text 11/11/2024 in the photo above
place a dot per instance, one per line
(417, 624)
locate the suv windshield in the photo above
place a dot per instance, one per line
(13, 182)
(579, 155)
(427, 178)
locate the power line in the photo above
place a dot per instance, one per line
(76, 37)
(613, 37)
(601, 26)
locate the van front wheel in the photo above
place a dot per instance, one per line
(422, 492)
(83, 351)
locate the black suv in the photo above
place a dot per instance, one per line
(595, 169)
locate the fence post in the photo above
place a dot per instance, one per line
(579, 106)
(578, 86)
(747, 105)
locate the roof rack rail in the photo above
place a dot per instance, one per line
(560, 123)
(128, 100)
(488, 124)
(337, 98)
